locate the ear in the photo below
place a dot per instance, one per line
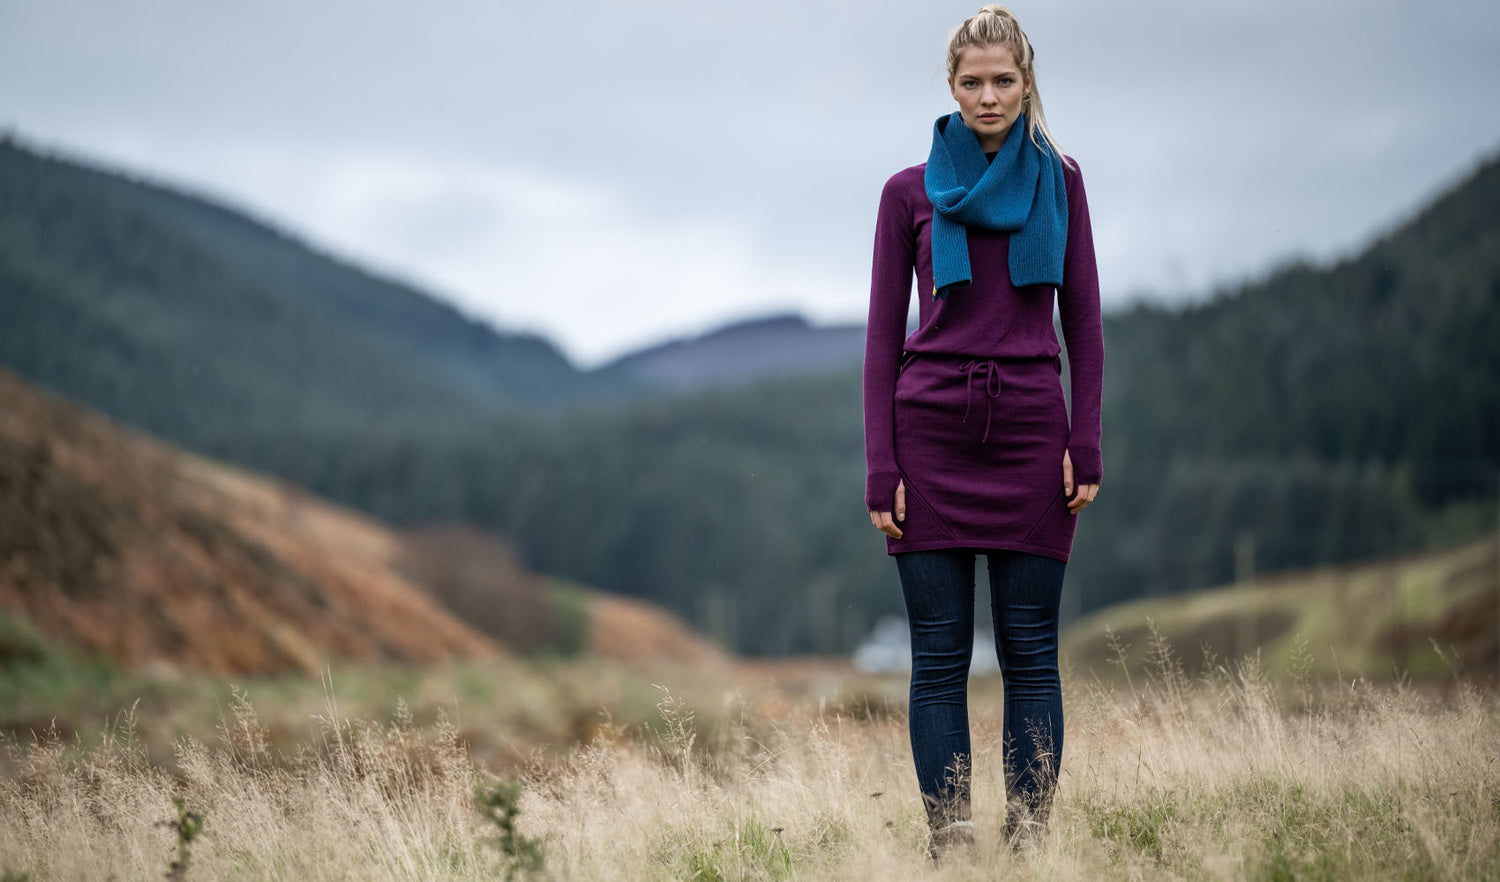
(952, 91)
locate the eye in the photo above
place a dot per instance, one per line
(969, 84)
(1006, 81)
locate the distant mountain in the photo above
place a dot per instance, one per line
(188, 318)
(778, 345)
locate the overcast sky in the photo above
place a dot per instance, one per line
(610, 174)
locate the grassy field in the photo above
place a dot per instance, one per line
(585, 771)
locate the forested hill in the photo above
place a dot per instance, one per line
(177, 314)
(1393, 354)
(1322, 413)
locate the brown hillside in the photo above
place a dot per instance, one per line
(639, 634)
(477, 576)
(119, 544)
(115, 542)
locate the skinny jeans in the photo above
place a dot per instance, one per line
(1025, 590)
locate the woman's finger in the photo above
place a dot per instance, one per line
(883, 522)
(1086, 494)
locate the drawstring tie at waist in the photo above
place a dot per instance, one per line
(992, 386)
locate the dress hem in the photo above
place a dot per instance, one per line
(982, 544)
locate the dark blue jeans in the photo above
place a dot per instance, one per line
(1024, 594)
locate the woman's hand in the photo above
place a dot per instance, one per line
(882, 519)
(1086, 492)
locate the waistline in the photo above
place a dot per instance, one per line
(987, 371)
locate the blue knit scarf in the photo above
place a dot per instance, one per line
(1020, 192)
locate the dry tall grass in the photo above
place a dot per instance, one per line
(1223, 776)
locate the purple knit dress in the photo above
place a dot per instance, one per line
(969, 409)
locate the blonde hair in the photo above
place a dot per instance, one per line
(995, 25)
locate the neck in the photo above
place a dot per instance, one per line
(992, 143)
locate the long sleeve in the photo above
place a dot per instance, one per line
(1083, 334)
(890, 298)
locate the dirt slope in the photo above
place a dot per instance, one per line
(127, 547)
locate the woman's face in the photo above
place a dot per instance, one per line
(988, 87)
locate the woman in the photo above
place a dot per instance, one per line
(968, 441)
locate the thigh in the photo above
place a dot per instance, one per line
(1025, 591)
(939, 589)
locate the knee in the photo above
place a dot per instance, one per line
(1031, 677)
(945, 664)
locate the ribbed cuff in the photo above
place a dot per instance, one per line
(1088, 465)
(880, 491)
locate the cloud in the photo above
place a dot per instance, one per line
(574, 262)
(686, 163)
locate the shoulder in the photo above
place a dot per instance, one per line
(908, 180)
(1072, 172)
(915, 174)
(904, 189)
(1072, 178)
